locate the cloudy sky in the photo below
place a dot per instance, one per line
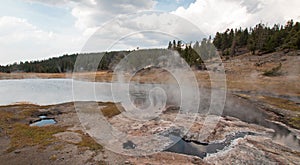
(38, 29)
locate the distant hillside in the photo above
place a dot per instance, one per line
(64, 63)
(259, 40)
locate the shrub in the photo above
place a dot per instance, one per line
(274, 71)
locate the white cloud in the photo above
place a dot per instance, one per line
(147, 29)
(21, 41)
(92, 14)
(218, 15)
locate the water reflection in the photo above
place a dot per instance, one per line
(43, 121)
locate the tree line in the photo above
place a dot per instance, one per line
(194, 54)
(66, 63)
(260, 39)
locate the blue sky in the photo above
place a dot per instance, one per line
(171, 5)
(44, 16)
(57, 18)
(38, 29)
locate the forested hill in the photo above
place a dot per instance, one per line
(64, 63)
(260, 39)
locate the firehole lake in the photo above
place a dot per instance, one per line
(56, 91)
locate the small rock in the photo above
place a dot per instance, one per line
(129, 145)
(283, 59)
(285, 51)
(71, 137)
(127, 162)
(196, 161)
(53, 157)
(17, 151)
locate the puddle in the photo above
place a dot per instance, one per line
(43, 121)
(202, 149)
(129, 145)
(42, 116)
(281, 135)
(195, 148)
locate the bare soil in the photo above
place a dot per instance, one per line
(67, 143)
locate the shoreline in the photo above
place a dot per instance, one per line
(272, 99)
(70, 143)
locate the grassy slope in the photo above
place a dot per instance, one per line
(14, 123)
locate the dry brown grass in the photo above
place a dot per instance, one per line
(102, 76)
(15, 113)
(89, 142)
(274, 71)
(280, 103)
(244, 72)
(33, 75)
(111, 109)
(13, 120)
(295, 121)
(23, 135)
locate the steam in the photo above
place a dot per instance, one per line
(183, 94)
(146, 102)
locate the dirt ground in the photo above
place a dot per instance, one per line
(67, 143)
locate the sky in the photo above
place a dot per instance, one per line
(38, 29)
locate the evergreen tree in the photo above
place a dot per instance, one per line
(174, 45)
(170, 45)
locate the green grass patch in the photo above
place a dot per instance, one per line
(6, 118)
(12, 114)
(102, 162)
(59, 147)
(23, 135)
(295, 122)
(89, 142)
(17, 112)
(274, 71)
(111, 109)
(281, 103)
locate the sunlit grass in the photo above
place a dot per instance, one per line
(23, 135)
(88, 142)
(13, 122)
(295, 121)
(281, 103)
(274, 71)
(14, 118)
(15, 113)
(111, 110)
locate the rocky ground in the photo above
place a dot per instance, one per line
(67, 143)
(260, 122)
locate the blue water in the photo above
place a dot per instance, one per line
(202, 149)
(52, 91)
(43, 122)
(55, 91)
